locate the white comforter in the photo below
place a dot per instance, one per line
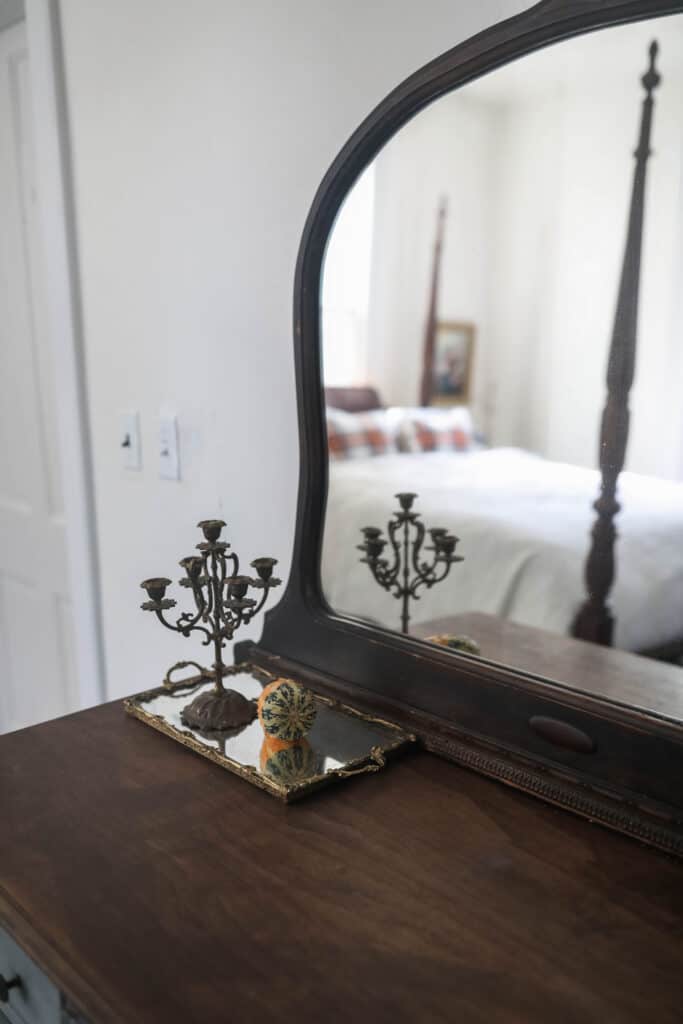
(524, 525)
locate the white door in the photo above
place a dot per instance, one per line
(37, 676)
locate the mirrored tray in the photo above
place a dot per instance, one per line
(342, 743)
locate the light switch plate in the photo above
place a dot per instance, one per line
(129, 439)
(169, 462)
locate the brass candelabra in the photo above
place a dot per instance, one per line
(406, 535)
(222, 605)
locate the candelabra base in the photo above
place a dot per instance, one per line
(218, 712)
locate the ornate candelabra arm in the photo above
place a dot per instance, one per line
(235, 563)
(221, 557)
(231, 619)
(208, 599)
(266, 587)
(215, 585)
(428, 569)
(393, 528)
(220, 552)
(418, 542)
(198, 595)
(194, 567)
(187, 622)
(236, 606)
(427, 581)
(447, 568)
(445, 556)
(184, 628)
(160, 615)
(198, 571)
(158, 603)
(383, 575)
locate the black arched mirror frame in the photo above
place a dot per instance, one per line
(612, 757)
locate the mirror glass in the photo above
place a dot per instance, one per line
(468, 304)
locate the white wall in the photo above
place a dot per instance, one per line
(200, 133)
(515, 357)
(11, 11)
(567, 171)
(444, 151)
(345, 295)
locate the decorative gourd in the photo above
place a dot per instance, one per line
(288, 761)
(286, 709)
(455, 642)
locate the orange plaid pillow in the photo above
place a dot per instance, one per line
(437, 430)
(435, 439)
(353, 435)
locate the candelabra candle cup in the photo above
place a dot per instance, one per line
(211, 528)
(436, 532)
(446, 544)
(375, 547)
(371, 532)
(238, 586)
(264, 567)
(156, 587)
(193, 566)
(406, 499)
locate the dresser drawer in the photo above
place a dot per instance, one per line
(35, 1000)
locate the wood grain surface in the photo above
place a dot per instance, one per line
(154, 887)
(602, 672)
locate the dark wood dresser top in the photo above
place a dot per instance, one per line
(155, 887)
(604, 672)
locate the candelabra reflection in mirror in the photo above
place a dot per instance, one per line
(222, 605)
(403, 573)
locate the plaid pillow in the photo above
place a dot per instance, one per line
(354, 435)
(437, 430)
(435, 439)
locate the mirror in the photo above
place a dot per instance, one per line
(467, 310)
(464, 277)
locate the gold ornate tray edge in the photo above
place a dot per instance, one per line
(372, 762)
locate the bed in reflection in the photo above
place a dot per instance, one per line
(524, 523)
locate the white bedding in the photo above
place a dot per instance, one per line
(524, 525)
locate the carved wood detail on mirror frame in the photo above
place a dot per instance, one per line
(579, 724)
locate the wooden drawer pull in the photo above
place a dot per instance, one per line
(562, 734)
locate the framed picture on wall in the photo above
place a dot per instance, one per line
(453, 354)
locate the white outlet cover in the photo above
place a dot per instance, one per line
(169, 462)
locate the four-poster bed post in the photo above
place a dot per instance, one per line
(427, 384)
(594, 620)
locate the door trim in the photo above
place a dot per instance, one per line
(65, 337)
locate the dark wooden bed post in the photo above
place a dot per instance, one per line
(594, 620)
(427, 384)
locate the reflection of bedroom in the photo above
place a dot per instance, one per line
(535, 165)
(534, 161)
